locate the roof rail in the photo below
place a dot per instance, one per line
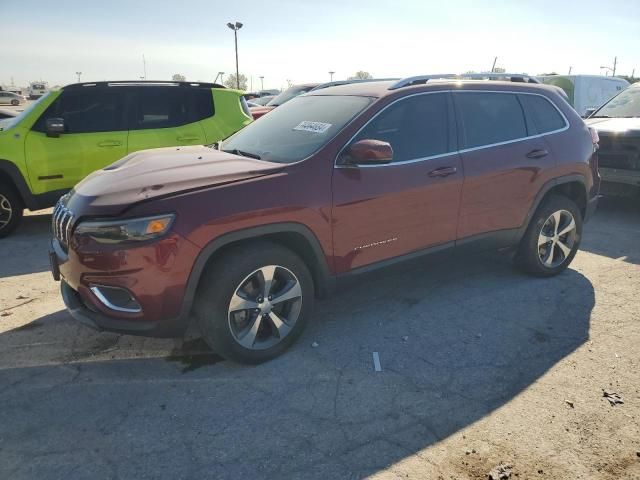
(422, 79)
(166, 83)
(347, 82)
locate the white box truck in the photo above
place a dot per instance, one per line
(586, 91)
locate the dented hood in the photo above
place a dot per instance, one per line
(165, 171)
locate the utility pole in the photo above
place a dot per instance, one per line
(331, 76)
(235, 27)
(494, 64)
(569, 70)
(615, 63)
(78, 74)
(261, 82)
(144, 66)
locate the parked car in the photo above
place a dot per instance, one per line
(71, 132)
(7, 113)
(618, 125)
(334, 183)
(261, 101)
(282, 98)
(10, 98)
(37, 90)
(587, 92)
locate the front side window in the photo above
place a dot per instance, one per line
(624, 105)
(85, 111)
(297, 129)
(543, 116)
(490, 118)
(415, 127)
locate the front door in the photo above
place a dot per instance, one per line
(95, 136)
(386, 211)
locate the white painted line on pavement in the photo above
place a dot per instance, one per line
(376, 362)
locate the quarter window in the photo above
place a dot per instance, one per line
(415, 127)
(543, 116)
(166, 107)
(86, 111)
(490, 118)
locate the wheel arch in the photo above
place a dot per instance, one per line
(294, 236)
(10, 174)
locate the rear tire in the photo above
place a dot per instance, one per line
(552, 238)
(242, 307)
(15, 103)
(11, 209)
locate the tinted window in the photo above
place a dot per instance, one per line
(416, 127)
(542, 116)
(490, 118)
(166, 107)
(85, 111)
(298, 128)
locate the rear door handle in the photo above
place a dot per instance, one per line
(110, 143)
(443, 172)
(537, 153)
(188, 138)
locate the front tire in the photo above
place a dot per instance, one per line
(254, 302)
(11, 210)
(15, 103)
(552, 238)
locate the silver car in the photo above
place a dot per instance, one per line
(11, 98)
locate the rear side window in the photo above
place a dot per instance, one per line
(489, 118)
(86, 110)
(166, 107)
(543, 117)
(415, 127)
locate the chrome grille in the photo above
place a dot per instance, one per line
(62, 223)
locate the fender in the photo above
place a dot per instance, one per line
(320, 271)
(11, 170)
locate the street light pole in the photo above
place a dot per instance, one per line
(331, 76)
(78, 74)
(235, 27)
(261, 82)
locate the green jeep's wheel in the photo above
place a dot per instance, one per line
(11, 209)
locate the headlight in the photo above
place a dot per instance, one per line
(127, 230)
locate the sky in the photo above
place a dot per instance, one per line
(301, 41)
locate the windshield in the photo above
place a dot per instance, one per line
(8, 123)
(297, 129)
(38, 86)
(288, 94)
(624, 105)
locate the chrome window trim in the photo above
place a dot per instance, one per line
(96, 291)
(458, 151)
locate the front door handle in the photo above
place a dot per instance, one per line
(110, 143)
(537, 153)
(443, 172)
(188, 138)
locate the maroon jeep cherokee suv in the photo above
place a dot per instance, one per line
(242, 235)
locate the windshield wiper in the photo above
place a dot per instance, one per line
(235, 151)
(600, 116)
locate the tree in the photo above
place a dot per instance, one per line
(361, 75)
(230, 81)
(178, 77)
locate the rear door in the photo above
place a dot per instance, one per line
(386, 211)
(95, 136)
(505, 161)
(165, 117)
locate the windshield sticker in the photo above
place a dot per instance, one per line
(315, 127)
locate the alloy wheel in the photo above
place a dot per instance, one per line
(6, 212)
(265, 307)
(557, 238)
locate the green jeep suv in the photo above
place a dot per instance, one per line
(69, 133)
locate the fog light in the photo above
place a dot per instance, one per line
(116, 298)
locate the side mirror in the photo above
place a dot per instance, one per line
(54, 126)
(368, 152)
(588, 112)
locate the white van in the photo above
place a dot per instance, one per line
(586, 91)
(37, 90)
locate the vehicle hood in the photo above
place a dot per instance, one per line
(628, 126)
(161, 172)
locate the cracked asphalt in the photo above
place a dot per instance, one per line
(481, 365)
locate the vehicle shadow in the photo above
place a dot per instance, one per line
(614, 230)
(456, 341)
(25, 250)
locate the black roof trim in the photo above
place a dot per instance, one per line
(142, 83)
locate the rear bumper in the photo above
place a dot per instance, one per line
(169, 328)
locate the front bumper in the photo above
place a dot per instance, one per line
(618, 175)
